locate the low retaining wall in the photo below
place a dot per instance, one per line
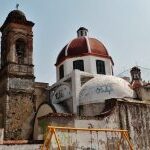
(21, 147)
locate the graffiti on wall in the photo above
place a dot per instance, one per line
(95, 91)
(62, 93)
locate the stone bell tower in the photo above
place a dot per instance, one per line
(16, 76)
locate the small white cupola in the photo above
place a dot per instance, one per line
(82, 32)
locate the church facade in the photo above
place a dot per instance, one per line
(85, 88)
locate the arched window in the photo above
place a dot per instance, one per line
(20, 50)
(61, 71)
(78, 64)
(100, 66)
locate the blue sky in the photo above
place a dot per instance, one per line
(123, 26)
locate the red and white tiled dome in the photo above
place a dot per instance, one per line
(83, 46)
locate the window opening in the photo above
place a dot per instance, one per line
(61, 71)
(100, 66)
(78, 64)
(20, 50)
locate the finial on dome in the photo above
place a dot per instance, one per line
(17, 6)
(82, 32)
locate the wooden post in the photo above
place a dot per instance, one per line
(127, 138)
(57, 140)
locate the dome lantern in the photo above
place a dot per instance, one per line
(82, 32)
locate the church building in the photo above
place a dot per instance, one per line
(86, 91)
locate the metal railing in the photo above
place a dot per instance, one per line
(119, 139)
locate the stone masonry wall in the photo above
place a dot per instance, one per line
(19, 117)
(135, 117)
(41, 94)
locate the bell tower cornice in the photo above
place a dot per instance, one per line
(17, 17)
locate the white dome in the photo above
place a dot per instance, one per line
(103, 87)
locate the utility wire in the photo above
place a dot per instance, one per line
(127, 70)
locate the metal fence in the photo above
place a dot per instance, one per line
(68, 138)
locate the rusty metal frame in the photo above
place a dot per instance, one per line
(52, 131)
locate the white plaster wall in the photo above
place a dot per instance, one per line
(90, 140)
(76, 86)
(108, 65)
(89, 65)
